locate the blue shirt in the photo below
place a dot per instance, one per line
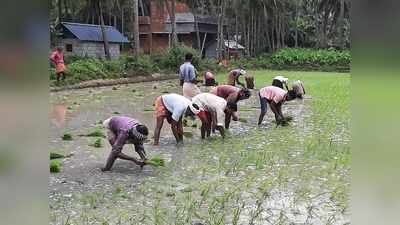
(187, 72)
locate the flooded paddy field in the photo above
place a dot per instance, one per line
(297, 174)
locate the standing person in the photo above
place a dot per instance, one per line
(172, 107)
(209, 79)
(188, 79)
(123, 130)
(57, 57)
(214, 111)
(274, 97)
(298, 88)
(233, 77)
(279, 81)
(231, 93)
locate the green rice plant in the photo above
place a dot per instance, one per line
(67, 137)
(156, 161)
(96, 133)
(187, 134)
(54, 155)
(55, 166)
(98, 143)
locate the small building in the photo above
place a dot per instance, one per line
(86, 40)
(232, 50)
(155, 28)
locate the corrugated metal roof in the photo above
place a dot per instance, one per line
(90, 32)
(189, 18)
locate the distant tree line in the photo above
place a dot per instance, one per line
(262, 26)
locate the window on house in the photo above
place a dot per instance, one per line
(68, 47)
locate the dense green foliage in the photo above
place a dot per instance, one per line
(84, 69)
(310, 58)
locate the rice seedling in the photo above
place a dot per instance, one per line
(96, 133)
(116, 113)
(98, 143)
(156, 161)
(187, 134)
(67, 137)
(55, 166)
(54, 155)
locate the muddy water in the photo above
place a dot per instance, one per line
(81, 193)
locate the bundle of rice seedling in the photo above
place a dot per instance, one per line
(95, 133)
(67, 137)
(55, 166)
(187, 134)
(54, 155)
(97, 144)
(242, 120)
(155, 161)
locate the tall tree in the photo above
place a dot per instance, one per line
(104, 31)
(135, 28)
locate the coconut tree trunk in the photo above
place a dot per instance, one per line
(171, 11)
(296, 34)
(341, 25)
(60, 14)
(135, 28)
(104, 33)
(196, 22)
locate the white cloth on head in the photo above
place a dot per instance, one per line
(176, 104)
(281, 79)
(243, 72)
(110, 134)
(210, 102)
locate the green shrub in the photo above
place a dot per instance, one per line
(55, 166)
(311, 57)
(143, 65)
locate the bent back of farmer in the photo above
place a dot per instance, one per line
(123, 130)
(171, 107)
(209, 79)
(298, 88)
(188, 78)
(233, 77)
(230, 93)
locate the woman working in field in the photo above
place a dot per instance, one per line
(188, 78)
(274, 97)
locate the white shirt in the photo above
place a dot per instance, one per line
(176, 104)
(210, 102)
(281, 79)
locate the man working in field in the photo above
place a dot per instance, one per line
(172, 107)
(188, 78)
(274, 97)
(233, 77)
(209, 79)
(123, 130)
(214, 111)
(231, 93)
(57, 57)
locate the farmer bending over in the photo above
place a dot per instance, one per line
(298, 88)
(188, 78)
(249, 81)
(123, 130)
(279, 81)
(274, 97)
(172, 107)
(213, 111)
(209, 79)
(233, 77)
(231, 93)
